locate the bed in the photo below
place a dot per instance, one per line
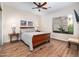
(32, 38)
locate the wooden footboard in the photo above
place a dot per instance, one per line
(39, 39)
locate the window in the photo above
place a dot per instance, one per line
(63, 24)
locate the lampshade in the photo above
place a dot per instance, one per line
(13, 25)
(13, 28)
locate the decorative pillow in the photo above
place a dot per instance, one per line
(28, 30)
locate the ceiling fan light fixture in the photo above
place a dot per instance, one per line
(39, 10)
(40, 5)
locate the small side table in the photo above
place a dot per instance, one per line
(74, 41)
(11, 35)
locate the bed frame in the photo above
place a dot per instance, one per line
(38, 39)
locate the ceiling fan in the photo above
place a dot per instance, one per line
(40, 6)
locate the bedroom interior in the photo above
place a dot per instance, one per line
(40, 29)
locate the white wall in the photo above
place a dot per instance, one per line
(47, 21)
(0, 27)
(13, 16)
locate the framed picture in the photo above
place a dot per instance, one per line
(30, 23)
(23, 23)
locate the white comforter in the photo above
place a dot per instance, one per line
(27, 37)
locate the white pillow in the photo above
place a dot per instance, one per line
(28, 30)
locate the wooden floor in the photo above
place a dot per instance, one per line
(55, 48)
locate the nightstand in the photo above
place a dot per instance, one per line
(11, 35)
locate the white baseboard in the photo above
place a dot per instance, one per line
(59, 39)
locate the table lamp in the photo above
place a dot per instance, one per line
(13, 28)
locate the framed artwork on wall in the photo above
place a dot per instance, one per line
(30, 23)
(23, 23)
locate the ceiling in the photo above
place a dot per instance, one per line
(27, 6)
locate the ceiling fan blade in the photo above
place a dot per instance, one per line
(44, 8)
(35, 8)
(36, 4)
(39, 4)
(44, 4)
